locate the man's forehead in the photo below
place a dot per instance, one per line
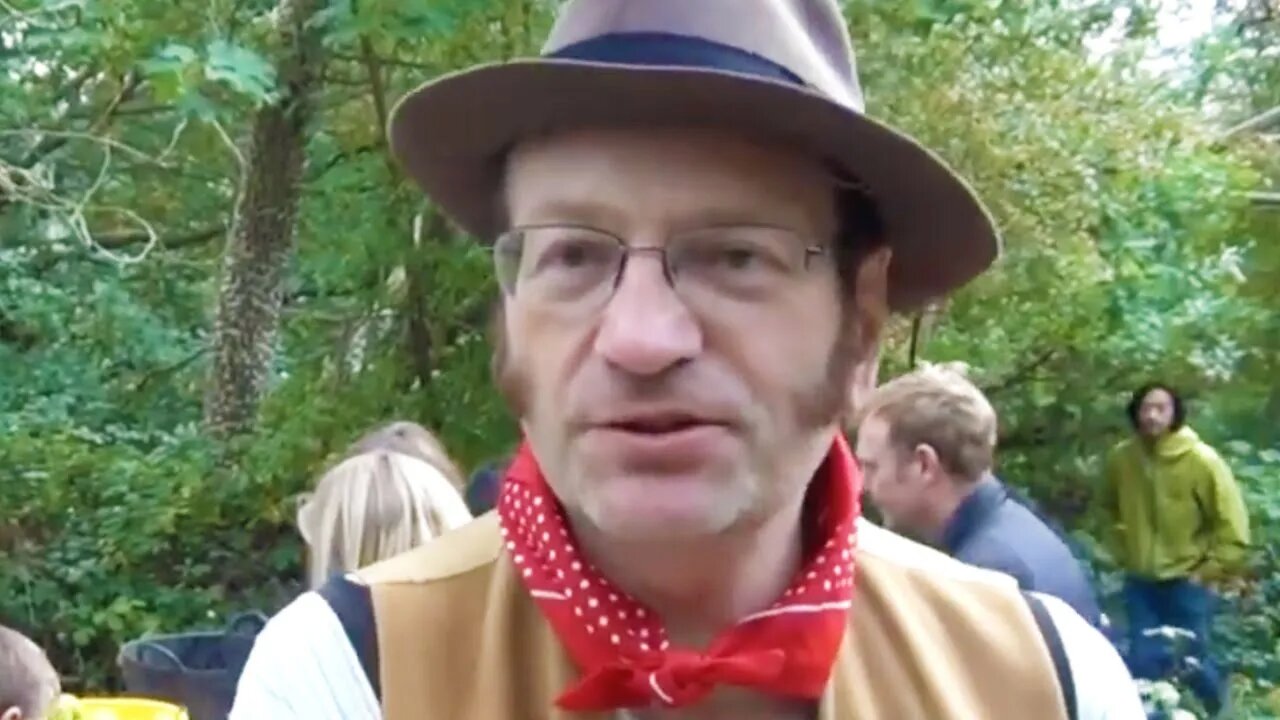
(723, 176)
(873, 433)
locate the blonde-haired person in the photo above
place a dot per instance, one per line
(926, 443)
(29, 686)
(411, 439)
(373, 506)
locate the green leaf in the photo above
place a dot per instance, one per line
(56, 5)
(168, 71)
(194, 104)
(244, 70)
(429, 22)
(172, 58)
(1239, 447)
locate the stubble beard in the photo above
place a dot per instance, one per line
(822, 404)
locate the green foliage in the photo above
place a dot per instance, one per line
(1130, 253)
(1128, 244)
(176, 73)
(242, 69)
(119, 518)
(104, 541)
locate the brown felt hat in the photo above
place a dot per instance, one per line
(781, 70)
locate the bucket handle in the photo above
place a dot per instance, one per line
(161, 649)
(247, 623)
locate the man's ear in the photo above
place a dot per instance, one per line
(870, 313)
(302, 518)
(13, 713)
(862, 383)
(930, 463)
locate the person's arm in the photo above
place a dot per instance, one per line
(1113, 528)
(1104, 689)
(303, 667)
(1226, 518)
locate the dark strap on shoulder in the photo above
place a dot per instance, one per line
(1057, 652)
(353, 604)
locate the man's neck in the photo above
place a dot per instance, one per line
(1149, 441)
(716, 581)
(931, 523)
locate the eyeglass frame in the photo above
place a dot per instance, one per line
(669, 274)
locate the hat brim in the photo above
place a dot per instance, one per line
(451, 136)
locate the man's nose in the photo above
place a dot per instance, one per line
(646, 328)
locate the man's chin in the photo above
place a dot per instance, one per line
(636, 510)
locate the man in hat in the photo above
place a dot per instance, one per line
(698, 236)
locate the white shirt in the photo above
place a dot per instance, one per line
(304, 668)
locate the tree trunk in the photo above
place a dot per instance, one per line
(428, 226)
(261, 238)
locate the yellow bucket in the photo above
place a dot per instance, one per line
(121, 708)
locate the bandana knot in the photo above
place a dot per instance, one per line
(621, 647)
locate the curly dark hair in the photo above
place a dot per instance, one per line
(1179, 407)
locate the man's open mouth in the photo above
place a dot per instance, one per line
(660, 424)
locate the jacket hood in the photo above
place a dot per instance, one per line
(1177, 443)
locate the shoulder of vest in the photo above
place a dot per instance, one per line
(979, 617)
(474, 545)
(876, 543)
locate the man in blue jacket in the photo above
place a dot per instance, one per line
(482, 489)
(926, 443)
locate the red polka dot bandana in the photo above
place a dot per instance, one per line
(621, 647)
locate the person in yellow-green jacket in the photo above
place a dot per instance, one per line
(1179, 529)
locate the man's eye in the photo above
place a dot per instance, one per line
(739, 258)
(573, 253)
(569, 253)
(730, 255)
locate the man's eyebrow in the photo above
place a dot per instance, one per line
(613, 219)
(727, 216)
(576, 211)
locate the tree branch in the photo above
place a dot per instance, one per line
(379, 92)
(396, 62)
(49, 144)
(1264, 199)
(1257, 122)
(340, 158)
(914, 347)
(331, 79)
(131, 110)
(114, 241)
(1022, 373)
(70, 92)
(158, 373)
(373, 65)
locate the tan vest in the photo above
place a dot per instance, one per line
(929, 639)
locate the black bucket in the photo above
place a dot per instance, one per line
(197, 670)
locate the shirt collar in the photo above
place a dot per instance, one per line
(973, 511)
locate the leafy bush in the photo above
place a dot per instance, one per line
(102, 542)
(113, 533)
